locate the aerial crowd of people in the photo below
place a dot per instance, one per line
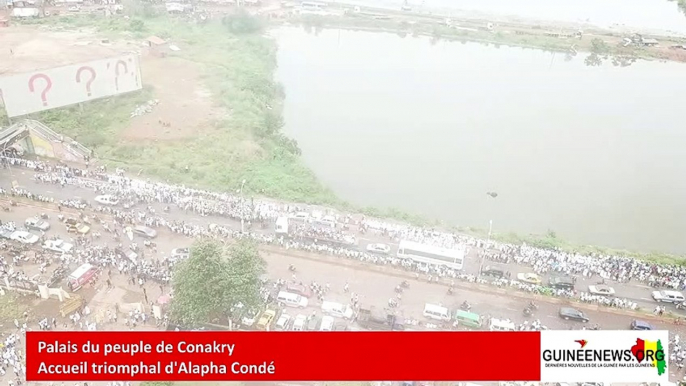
(161, 205)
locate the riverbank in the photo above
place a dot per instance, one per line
(245, 143)
(242, 141)
(601, 44)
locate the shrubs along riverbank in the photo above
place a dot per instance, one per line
(238, 64)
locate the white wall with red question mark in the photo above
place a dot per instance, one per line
(67, 85)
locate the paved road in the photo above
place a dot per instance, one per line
(637, 292)
(375, 288)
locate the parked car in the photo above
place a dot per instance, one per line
(562, 282)
(181, 253)
(266, 319)
(492, 272)
(6, 233)
(668, 297)
(283, 322)
(530, 278)
(641, 325)
(568, 313)
(327, 323)
(36, 224)
(58, 246)
(379, 248)
(604, 290)
(24, 237)
(299, 289)
(144, 231)
(107, 200)
(73, 226)
(299, 322)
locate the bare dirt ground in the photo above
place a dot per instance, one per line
(28, 48)
(185, 105)
(184, 108)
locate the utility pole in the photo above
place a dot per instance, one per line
(492, 195)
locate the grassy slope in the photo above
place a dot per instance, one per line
(682, 5)
(245, 145)
(239, 69)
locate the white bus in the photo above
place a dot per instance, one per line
(281, 226)
(428, 254)
(312, 8)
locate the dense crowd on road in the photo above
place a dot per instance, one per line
(256, 215)
(158, 205)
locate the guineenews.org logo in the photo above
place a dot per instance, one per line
(644, 353)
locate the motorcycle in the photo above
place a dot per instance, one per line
(398, 289)
(465, 307)
(392, 303)
(450, 291)
(528, 312)
(44, 216)
(291, 268)
(405, 284)
(532, 306)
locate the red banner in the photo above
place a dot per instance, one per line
(283, 356)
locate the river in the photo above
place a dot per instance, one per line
(595, 154)
(645, 15)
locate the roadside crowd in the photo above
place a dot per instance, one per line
(338, 241)
(146, 197)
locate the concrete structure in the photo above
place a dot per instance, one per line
(157, 46)
(36, 138)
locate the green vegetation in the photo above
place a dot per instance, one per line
(230, 274)
(682, 5)
(531, 38)
(238, 63)
(10, 307)
(551, 241)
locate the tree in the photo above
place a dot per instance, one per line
(598, 46)
(242, 22)
(214, 279)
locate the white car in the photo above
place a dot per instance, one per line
(301, 216)
(36, 224)
(181, 253)
(24, 237)
(668, 297)
(282, 323)
(107, 200)
(379, 248)
(605, 290)
(58, 246)
(327, 323)
(299, 322)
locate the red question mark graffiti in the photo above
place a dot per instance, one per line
(89, 81)
(48, 86)
(117, 67)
